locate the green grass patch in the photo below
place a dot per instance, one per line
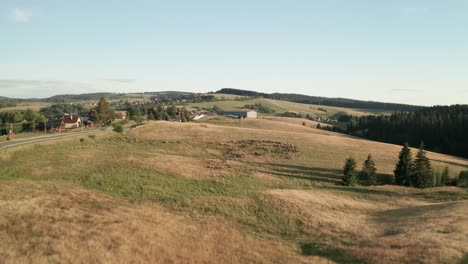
(8, 172)
(334, 254)
(443, 196)
(237, 198)
(392, 231)
(464, 260)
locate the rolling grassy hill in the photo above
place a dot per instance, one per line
(222, 190)
(279, 107)
(338, 102)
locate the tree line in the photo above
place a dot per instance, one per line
(339, 102)
(442, 128)
(29, 120)
(156, 111)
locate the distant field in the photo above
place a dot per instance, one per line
(36, 106)
(222, 190)
(227, 96)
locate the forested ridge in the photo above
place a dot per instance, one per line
(338, 102)
(442, 128)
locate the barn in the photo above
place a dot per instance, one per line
(243, 114)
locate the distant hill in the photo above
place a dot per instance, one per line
(82, 97)
(339, 102)
(96, 96)
(8, 102)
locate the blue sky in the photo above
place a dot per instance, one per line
(396, 51)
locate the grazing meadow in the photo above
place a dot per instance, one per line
(222, 190)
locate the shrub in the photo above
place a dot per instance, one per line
(463, 179)
(385, 178)
(82, 140)
(259, 108)
(118, 128)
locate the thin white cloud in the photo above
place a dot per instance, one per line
(22, 88)
(408, 90)
(21, 15)
(120, 80)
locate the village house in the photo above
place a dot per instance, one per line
(240, 113)
(86, 121)
(120, 115)
(71, 121)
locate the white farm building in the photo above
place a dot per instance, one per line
(243, 114)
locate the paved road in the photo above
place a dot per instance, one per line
(27, 141)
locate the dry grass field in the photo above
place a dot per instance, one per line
(222, 190)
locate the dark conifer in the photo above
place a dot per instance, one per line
(422, 172)
(403, 168)
(368, 172)
(349, 172)
(444, 179)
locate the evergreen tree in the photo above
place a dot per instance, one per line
(349, 172)
(444, 179)
(443, 128)
(404, 166)
(436, 178)
(368, 172)
(463, 179)
(319, 126)
(422, 172)
(104, 113)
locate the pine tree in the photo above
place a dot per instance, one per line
(319, 126)
(422, 173)
(444, 180)
(404, 166)
(368, 172)
(436, 178)
(349, 172)
(103, 111)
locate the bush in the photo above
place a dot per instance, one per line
(259, 108)
(385, 179)
(463, 179)
(118, 128)
(82, 140)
